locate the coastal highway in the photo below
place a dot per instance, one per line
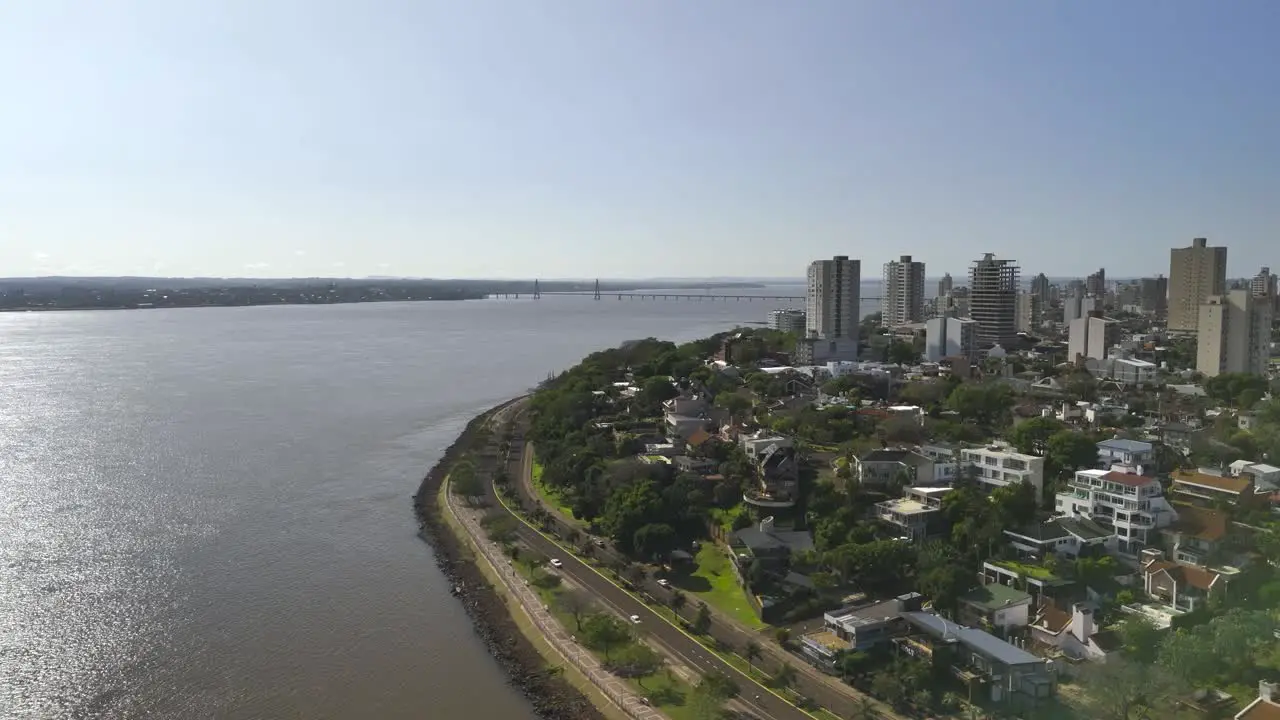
(762, 703)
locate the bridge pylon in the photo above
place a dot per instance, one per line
(537, 292)
(597, 289)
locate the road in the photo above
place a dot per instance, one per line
(827, 691)
(761, 702)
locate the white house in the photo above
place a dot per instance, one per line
(1130, 453)
(1074, 633)
(999, 465)
(1133, 505)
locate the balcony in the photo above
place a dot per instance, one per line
(763, 499)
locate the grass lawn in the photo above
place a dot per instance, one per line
(714, 583)
(1032, 571)
(550, 496)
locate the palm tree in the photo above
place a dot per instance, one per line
(677, 601)
(752, 653)
(785, 675)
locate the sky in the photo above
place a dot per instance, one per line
(603, 138)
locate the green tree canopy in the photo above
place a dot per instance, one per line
(1032, 437)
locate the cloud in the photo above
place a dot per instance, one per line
(339, 264)
(300, 253)
(257, 266)
(39, 256)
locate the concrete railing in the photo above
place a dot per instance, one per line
(608, 683)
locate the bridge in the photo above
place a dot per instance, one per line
(598, 294)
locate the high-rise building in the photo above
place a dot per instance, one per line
(1040, 286)
(903, 300)
(1096, 284)
(1154, 295)
(1030, 309)
(1264, 283)
(788, 320)
(950, 337)
(1092, 336)
(1196, 273)
(993, 300)
(944, 285)
(832, 308)
(1234, 334)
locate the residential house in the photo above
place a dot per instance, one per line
(778, 473)
(1179, 434)
(1133, 505)
(858, 627)
(1073, 633)
(1266, 706)
(883, 467)
(1197, 535)
(1182, 587)
(995, 606)
(756, 443)
(917, 514)
(685, 415)
(1266, 478)
(999, 465)
(1202, 488)
(1007, 673)
(1130, 372)
(946, 461)
(695, 465)
(1129, 453)
(1068, 537)
(765, 541)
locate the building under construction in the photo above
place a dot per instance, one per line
(993, 300)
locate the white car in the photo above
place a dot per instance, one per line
(635, 619)
(663, 582)
(555, 562)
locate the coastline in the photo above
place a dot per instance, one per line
(552, 697)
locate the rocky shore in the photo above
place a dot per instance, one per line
(552, 697)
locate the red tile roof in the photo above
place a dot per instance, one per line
(1226, 484)
(1129, 479)
(1260, 710)
(1202, 523)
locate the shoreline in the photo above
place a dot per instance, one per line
(552, 697)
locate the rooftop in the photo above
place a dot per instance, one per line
(1201, 523)
(907, 506)
(854, 617)
(1050, 530)
(906, 457)
(1234, 485)
(1124, 445)
(1129, 480)
(977, 640)
(1084, 528)
(995, 597)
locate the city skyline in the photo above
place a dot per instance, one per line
(584, 139)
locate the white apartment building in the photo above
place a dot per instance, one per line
(1030, 311)
(1134, 505)
(1234, 334)
(998, 466)
(1092, 337)
(903, 300)
(1196, 273)
(788, 321)
(833, 308)
(950, 337)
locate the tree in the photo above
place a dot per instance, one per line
(702, 623)
(1141, 639)
(655, 541)
(737, 405)
(852, 663)
(604, 633)
(710, 695)
(638, 661)
(1032, 437)
(1070, 450)
(1187, 654)
(576, 604)
(783, 676)
(465, 482)
(678, 601)
(629, 509)
(1121, 686)
(751, 653)
(985, 404)
(902, 353)
(1015, 504)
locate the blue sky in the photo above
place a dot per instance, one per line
(521, 138)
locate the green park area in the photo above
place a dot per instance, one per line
(713, 581)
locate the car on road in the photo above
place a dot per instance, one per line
(555, 562)
(635, 619)
(664, 582)
(599, 543)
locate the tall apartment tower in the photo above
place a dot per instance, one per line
(1234, 334)
(1096, 284)
(1030, 311)
(944, 285)
(788, 321)
(903, 300)
(1196, 273)
(832, 307)
(1264, 283)
(993, 300)
(1040, 286)
(1154, 296)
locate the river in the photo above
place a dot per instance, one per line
(207, 513)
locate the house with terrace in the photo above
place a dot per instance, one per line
(1180, 586)
(1266, 478)
(917, 515)
(777, 466)
(1068, 537)
(1133, 506)
(685, 415)
(881, 468)
(1134, 454)
(857, 627)
(999, 465)
(991, 667)
(995, 606)
(1197, 536)
(946, 461)
(1073, 632)
(1201, 488)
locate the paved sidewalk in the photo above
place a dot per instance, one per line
(617, 690)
